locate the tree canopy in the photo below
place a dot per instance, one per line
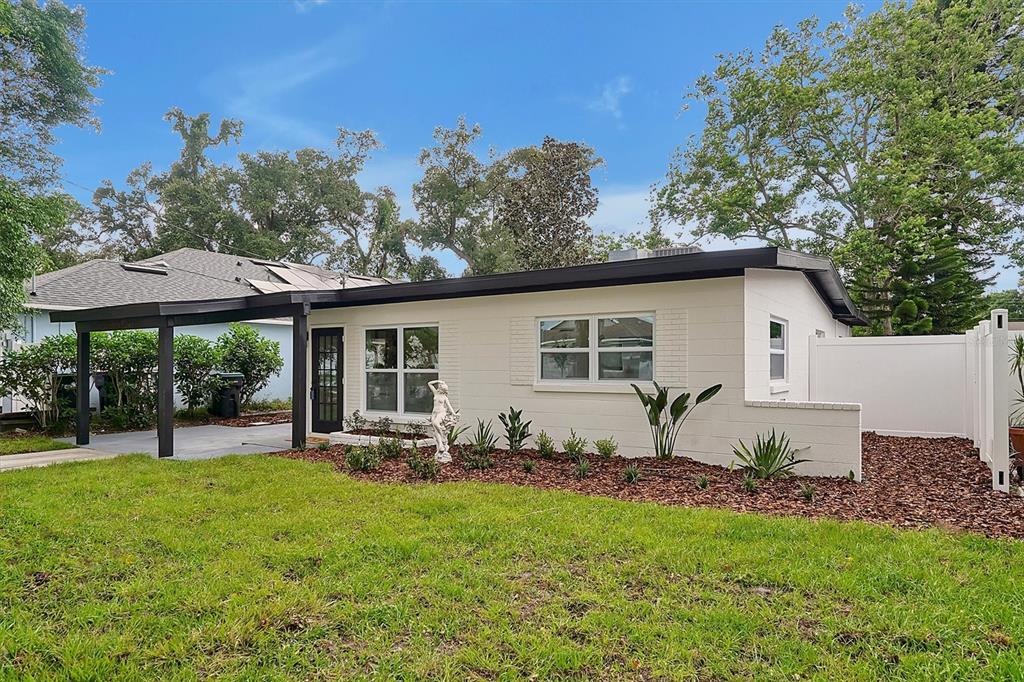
(891, 142)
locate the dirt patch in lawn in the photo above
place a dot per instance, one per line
(908, 482)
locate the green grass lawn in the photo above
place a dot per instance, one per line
(14, 445)
(267, 568)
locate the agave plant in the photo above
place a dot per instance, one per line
(666, 420)
(770, 457)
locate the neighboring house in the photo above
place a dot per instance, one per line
(180, 275)
(565, 344)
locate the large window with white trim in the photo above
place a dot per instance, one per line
(400, 361)
(601, 348)
(778, 352)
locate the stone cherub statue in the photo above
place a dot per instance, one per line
(442, 418)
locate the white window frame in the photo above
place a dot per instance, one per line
(399, 368)
(593, 350)
(784, 352)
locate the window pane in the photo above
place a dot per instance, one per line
(420, 348)
(382, 391)
(418, 397)
(777, 335)
(382, 349)
(564, 365)
(618, 332)
(565, 334)
(778, 365)
(629, 365)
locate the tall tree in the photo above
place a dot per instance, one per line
(545, 202)
(456, 199)
(44, 83)
(884, 141)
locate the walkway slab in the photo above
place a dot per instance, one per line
(199, 442)
(48, 457)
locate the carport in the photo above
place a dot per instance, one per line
(164, 317)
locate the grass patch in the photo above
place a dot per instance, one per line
(15, 445)
(267, 568)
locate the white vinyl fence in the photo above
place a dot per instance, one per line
(951, 385)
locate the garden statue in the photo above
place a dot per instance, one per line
(442, 418)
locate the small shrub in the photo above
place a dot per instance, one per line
(631, 474)
(383, 425)
(771, 457)
(417, 430)
(389, 448)
(529, 466)
(582, 469)
(481, 446)
(575, 447)
(852, 476)
(703, 482)
(269, 404)
(606, 447)
(749, 483)
(323, 446)
(516, 430)
(356, 421)
(454, 433)
(423, 465)
(366, 458)
(545, 445)
(807, 492)
(666, 419)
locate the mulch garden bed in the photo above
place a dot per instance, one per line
(246, 419)
(908, 483)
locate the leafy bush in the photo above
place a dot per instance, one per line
(545, 445)
(575, 446)
(322, 447)
(455, 432)
(606, 447)
(366, 458)
(195, 360)
(807, 492)
(383, 425)
(417, 429)
(582, 469)
(390, 447)
(516, 430)
(631, 474)
(749, 483)
(703, 482)
(130, 360)
(423, 465)
(667, 420)
(244, 350)
(529, 466)
(355, 422)
(771, 457)
(34, 372)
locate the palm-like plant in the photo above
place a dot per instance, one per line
(666, 419)
(1017, 367)
(770, 457)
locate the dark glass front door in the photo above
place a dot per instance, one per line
(328, 407)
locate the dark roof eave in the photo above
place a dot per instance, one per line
(819, 271)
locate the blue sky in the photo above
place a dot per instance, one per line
(612, 75)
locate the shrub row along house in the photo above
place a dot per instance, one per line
(180, 275)
(563, 344)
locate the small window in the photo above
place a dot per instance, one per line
(597, 348)
(397, 373)
(777, 349)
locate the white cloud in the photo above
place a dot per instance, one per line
(258, 93)
(303, 6)
(610, 99)
(621, 209)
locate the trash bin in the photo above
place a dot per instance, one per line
(227, 398)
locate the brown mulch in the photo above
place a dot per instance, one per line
(908, 483)
(246, 419)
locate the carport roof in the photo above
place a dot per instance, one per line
(820, 273)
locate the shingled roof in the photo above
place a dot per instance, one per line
(180, 275)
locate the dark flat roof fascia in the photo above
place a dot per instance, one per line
(820, 272)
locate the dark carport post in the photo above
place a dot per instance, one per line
(165, 389)
(300, 384)
(82, 388)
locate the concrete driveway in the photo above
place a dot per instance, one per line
(198, 442)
